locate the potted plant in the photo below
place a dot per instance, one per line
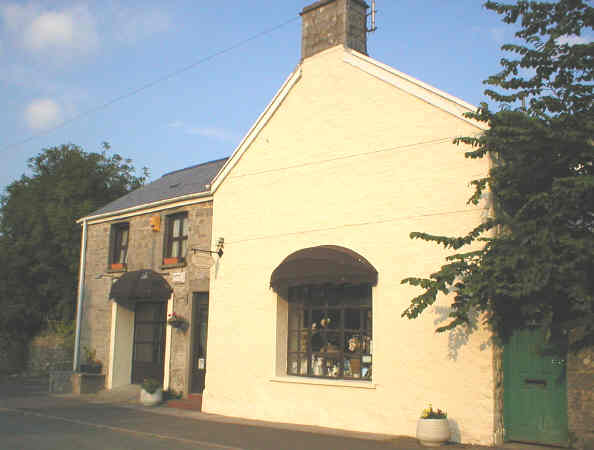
(151, 392)
(433, 428)
(93, 365)
(171, 394)
(176, 321)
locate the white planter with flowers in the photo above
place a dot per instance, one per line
(433, 428)
(151, 392)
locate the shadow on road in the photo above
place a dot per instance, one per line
(20, 386)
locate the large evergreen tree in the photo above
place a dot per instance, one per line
(536, 265)
(39, 238)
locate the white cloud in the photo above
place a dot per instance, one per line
(57, 34)
(51, 33)
(43, 113)
(71, 30)
(219, 134)
(130, 26)
(49, 29)
(572, 40)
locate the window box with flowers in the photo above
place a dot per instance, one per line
(117, 267)
(171, 261)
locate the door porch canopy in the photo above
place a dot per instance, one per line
(325, 264)
(140, 285)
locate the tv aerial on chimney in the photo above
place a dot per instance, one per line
(372, 28)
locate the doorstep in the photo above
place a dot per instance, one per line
(192, 403)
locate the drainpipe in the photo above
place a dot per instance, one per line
(79, 299)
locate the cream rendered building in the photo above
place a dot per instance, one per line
(355, 155)
(299, 319)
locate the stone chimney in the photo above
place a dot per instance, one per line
(327, 23)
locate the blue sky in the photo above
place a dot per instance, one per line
(60, 59)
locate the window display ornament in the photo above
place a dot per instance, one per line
(354, 343)
(324, 323)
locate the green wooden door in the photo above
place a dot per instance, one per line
(535, 394)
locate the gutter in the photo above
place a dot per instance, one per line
(79, 299)
(144, 206)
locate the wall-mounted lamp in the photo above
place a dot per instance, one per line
(105, 275)
(218, 251)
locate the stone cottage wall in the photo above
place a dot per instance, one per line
(145, 251)
(580, 398)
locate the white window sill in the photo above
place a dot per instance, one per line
(324, 382)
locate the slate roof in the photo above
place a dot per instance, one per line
(191, 180)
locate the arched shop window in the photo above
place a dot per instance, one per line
(330, 332)
(330, 313)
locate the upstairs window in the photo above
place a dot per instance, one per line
(330, 332)
(119, 245)
(176, 238)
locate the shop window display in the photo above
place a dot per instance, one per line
(330, 332)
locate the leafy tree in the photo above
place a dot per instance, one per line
(536, 263)
(39, 238)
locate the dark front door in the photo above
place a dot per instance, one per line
(149, 341)
(200, 332)
(535, 395)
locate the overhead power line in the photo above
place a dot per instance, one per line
(357, 224)
(150, 84)
(442, 140)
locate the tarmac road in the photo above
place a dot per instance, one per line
(32, 419)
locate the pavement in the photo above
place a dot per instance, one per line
(26, 405)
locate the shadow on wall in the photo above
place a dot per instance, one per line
(96, 326)
(454, 431)
(459, 336)
(12, 355)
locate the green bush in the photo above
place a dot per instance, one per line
(150, 385)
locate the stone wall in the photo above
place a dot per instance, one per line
(580, 398)
(498, 425)
(60, 382)
(328, 23)
(145, 251)
(49, 352)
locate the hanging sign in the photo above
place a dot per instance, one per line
(178, 277)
